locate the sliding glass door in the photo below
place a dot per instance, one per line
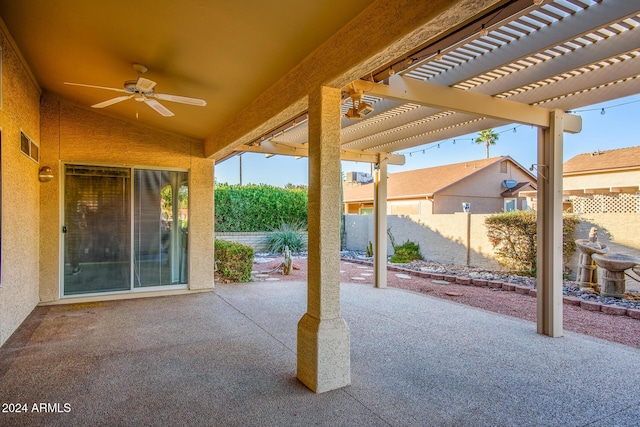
(97, 229)
(160, 224)
(124, 229)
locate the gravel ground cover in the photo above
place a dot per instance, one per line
(621, 329)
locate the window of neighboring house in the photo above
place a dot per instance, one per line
(366, 211)
(29, 147)
(510, 204)
(405, 208)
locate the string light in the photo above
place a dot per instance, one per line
(483, 31)
(439, 56)
(515, 130)
(391, 71)
(602, 112)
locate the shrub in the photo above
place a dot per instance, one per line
(290, 235)
(258, 207)
(234, 261)
(514, 238)
(405, 253)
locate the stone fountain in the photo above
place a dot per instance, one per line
(612, 282)
(587, 276)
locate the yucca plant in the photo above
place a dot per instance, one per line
(287, 235)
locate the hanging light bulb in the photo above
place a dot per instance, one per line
(514, 130)
(483, 31)
(438, 145)
(454, 142)
(391, 71)
(602, 112)
(439, 56)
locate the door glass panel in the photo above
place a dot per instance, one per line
(97, 229)
(160, 228)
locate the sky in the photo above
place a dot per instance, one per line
(618, 127)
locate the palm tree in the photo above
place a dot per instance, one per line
(487, 137)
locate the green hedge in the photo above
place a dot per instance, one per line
(514, 239)
(258, 207)
(234, 261)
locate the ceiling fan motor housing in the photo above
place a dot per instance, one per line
(131, 86)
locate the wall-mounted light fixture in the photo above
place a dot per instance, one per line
(45, 174)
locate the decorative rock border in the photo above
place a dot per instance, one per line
(610, 309)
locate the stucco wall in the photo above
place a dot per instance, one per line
(20, 192)
(442, 238)
(601, 180)
(75, 134)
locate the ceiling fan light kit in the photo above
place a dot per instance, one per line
(142, 90)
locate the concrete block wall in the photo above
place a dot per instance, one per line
(257, 240)
(442, 238)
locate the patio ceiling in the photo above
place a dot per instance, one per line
(562, 54)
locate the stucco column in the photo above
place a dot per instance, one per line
(549, 257)
(323, 335)
(201, 221)
(380, 227)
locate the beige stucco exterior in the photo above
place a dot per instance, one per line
(609, 181)
(69, 133)
(20, 192)
(74, 134)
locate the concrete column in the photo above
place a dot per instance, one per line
(323, 336)
(201, 223)
(549, 258)
(380, 220)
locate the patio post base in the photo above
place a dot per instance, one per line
(324, 361)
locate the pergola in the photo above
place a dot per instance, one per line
(522, 63)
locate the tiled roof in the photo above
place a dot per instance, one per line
(622, 158)
(421, 181)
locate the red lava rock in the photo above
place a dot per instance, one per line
(614, 310)
(591, 305)
(633, 313)
(572, 300)
(296, 267)
(453, 294)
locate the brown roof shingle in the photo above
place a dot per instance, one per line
(621, 158)
(421, 181)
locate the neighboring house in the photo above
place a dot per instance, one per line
(603, 181)
(488, 185)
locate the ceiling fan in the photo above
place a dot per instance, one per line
(142, 90)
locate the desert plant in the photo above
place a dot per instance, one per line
(405, 253)
(234, 261)
(369, 249)
(287, 235)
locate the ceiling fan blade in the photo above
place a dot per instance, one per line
(144, 85)
(158, 107)
(181, 99)
(96, 87)
(112, 101)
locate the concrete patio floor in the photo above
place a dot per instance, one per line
(227, 358)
